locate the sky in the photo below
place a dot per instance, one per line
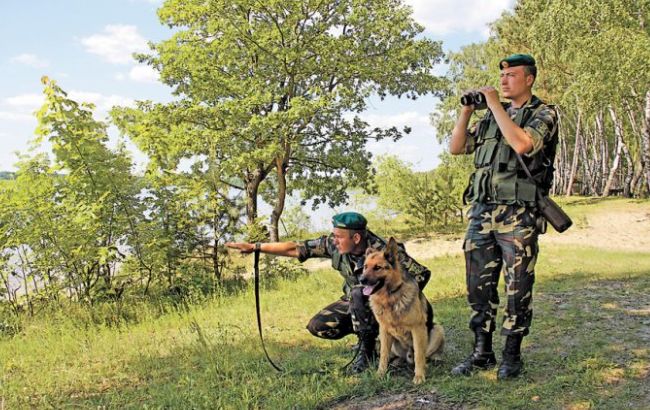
(86, 46)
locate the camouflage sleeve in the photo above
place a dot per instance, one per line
(473, 132)
(315, 248)
(541, 128)
(470, 134)
(421, 273)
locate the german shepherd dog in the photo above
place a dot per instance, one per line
(406, 328)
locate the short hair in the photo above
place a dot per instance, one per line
(530, 70)
(362, 232)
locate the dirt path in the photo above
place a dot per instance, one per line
(628, 230)
(411, 400)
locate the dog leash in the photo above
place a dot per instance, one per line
(259, 316)
(257, 307)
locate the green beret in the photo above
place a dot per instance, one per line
(515, 60)
(349, 220)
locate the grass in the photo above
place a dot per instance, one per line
(588, 347)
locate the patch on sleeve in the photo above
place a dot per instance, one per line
(541, 128)
(313, 248)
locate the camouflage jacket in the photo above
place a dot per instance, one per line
(351, 266)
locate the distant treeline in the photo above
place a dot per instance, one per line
(7, 175)
(592, 60)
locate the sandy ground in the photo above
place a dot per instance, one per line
(629, 231)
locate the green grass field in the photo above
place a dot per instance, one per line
(588, 346)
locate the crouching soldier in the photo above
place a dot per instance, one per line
(346, 247)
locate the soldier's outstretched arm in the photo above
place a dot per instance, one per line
(289, 249)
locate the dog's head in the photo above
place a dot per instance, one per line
(381, 269)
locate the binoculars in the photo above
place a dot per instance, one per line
(475, 98)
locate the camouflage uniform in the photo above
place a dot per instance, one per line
(351, 314)
(503, 221)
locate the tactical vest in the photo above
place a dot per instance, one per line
(499, 178)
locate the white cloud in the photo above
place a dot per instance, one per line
(143, 74)
(420, 155)
(441, 17)
(31, 102)
(102, 102)
(25, 101)
(31, 60)
(419, 148)
(117, 44)
(15, 116)
(409, 118)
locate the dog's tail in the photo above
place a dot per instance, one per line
(436, 343)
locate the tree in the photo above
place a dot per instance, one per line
(451, 178)
(69, 219)
(268, 90)
(413, 194)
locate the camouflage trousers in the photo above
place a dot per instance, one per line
(501, 236)
(350, 314)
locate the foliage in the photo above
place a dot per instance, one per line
(270, 90)
(296, 223)
(425, 197)
(66, 222)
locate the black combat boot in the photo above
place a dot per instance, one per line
(511, 365)
(367, 353)
(481, 358)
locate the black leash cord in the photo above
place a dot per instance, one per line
(257, 307)
(259, 317)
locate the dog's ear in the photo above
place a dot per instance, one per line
(390, 252)
(370, 250)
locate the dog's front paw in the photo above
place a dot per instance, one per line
(381, 371)
(419, 379)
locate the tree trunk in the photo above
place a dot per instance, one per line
(281, 169)
(252, 186)
(215, 251)
(587, 165)
(637, 181)
(618, 129)
(604, 152)
(253, 180)
(560, 161)
(11, 293)
(629, 172)
(24, 270)
(576, 152)
(645, 141)
(594, 165)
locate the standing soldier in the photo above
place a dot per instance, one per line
(346, 247)
(503, 220)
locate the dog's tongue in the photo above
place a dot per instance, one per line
(367, 290)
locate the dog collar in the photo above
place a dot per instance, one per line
(390, 292)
